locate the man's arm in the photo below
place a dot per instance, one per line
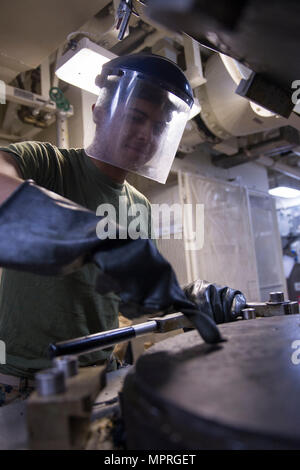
(10, 176)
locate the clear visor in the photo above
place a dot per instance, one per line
(139, 126)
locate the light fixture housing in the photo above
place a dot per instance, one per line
(285, 192)
(81, 65)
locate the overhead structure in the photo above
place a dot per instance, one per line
(240, 29)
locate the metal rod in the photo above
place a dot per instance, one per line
(99, 341)
(62, 130)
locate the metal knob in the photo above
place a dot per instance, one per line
(248, 313)
(276, 297)
(50, 382)
(68, 364)
(292, 308)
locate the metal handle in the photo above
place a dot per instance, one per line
(109, 338)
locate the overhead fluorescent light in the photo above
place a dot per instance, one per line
(80, 67)
(284, 191)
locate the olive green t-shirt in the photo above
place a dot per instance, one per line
(38, 310)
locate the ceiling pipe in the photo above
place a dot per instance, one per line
(280, 167)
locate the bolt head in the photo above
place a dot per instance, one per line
(249, 313)
(276, 297)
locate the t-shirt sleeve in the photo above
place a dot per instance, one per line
(36, 160)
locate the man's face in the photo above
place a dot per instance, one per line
(137, 132)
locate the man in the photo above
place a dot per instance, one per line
(140, 115)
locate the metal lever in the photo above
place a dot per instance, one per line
(98, 341)
(123, 16)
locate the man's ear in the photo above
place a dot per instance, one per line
(97, 114)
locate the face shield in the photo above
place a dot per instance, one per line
(139, 125)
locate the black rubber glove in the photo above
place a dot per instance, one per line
(43, 233)
(222, 304)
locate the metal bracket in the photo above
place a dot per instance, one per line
(173, 321)
(275, 307)
(62, 420)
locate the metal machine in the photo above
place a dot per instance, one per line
(182, 392)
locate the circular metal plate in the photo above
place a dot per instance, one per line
(241, 394)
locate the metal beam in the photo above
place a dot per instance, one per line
(45, 78)
(194, 71)
(27, 98)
